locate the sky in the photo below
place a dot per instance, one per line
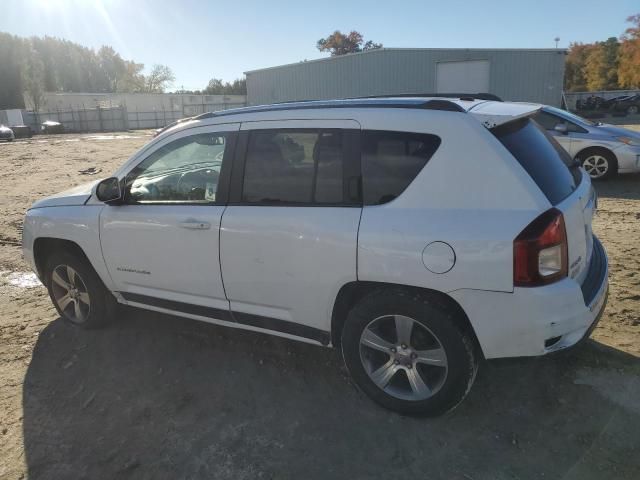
(204, 39)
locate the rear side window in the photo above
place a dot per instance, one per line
(390, 162)
(294, 167)
(548, 164)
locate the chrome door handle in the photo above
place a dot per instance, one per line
(195, 225)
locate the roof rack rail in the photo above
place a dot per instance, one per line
(461, 96)
(431, 104)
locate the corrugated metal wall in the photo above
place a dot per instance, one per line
(518, 75)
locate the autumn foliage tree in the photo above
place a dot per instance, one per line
(629, 56)
(340, 44)
(609, 65)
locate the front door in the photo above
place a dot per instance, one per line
(289, 238)
(161, 247)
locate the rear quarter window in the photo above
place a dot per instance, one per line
(546, 162)
(391, 160)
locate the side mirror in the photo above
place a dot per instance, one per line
(561, 128)
(109, 192)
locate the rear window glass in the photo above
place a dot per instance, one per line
(548, 164)
(390, 162)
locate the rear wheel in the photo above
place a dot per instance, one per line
(599, 164)
(77, 292)
(407, 352)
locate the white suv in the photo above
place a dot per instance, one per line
(418, 235)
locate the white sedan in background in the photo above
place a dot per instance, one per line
(603, 150)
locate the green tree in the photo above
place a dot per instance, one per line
(629, 56)
(159, 79)
(34, 80)
(340, 44)
(11, 79)
(133, 80)
(112, 67)
(217, 87)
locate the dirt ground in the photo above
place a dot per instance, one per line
(159, 397)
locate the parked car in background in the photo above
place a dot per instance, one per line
(22, 131)
(593, 102)
(50, 126)
(603, 150)
(6, 134)
(629, 104)
(417, 235)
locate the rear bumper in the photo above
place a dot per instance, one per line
(540, 320)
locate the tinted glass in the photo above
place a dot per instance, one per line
(547, 120)
(294, 166)
(390, 162)
(541, 156)
(185, 170)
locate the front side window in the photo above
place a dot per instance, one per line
(183, 171)
(549, 121)
(294, 166)
(391, 160)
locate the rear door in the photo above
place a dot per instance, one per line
(565, 185)
(289, 234)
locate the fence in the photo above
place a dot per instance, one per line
(572, 98)
(118, 118)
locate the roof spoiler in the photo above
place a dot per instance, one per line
(493, 115)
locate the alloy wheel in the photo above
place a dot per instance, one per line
(403, 357)
(596, 166)
(70, 293)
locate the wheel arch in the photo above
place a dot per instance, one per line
(350, 293)
(43, 247)
(597, 149)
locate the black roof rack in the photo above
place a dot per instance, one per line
(372, 102)
(461, 96)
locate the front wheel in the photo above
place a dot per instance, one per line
(600, 165)
(632, 110)
(407, 352)
(77, 292)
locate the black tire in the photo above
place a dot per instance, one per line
(612, 163)
(439, 319)
(102, 304)
(632, 109)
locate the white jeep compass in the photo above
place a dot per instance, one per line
(417, 235)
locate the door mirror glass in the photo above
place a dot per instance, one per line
(108, 190)
(561, 128)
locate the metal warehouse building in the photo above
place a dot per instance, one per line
(534, 75)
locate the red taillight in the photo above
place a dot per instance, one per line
(540, 251)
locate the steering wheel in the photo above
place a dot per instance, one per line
(199, 178)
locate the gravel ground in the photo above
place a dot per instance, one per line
(159, 397)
